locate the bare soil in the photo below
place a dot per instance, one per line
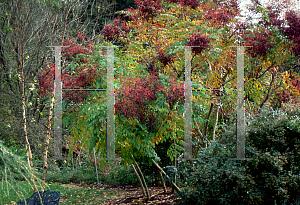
(130, 194)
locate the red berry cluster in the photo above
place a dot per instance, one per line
(147, 8)
(175, 93)
(191, 3)
(222, 13)
(82, 80)
(198, 39)
(161, 55)
(259, 40)
(113, 31)
(74, 48)
(134, 95)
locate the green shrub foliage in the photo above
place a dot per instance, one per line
(271, 176)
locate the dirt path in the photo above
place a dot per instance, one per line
(130, 194)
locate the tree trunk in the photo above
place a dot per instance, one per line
(174, 164)
(143, 180)
(207, 118)
(216, 123)
(139, 178)
(65, 23)
(162, 171)
(28, 148)
(162, 181)
(47, 140)
(50, 119)
(200, 134)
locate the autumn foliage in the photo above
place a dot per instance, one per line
(85, 75)
(73, 48)
(200, 40)
(115, 30)
(134, 95)
(259, 42)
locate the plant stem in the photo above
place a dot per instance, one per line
(139, 178)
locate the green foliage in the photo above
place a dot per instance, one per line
(123, 176)
(272, 141)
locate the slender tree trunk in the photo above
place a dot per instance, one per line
(162, 171)
(216, 123)
(207, 118)
(162, 181)
(65, 23)
(28, 148)
(50, 119)
(200, 134)
(143, 179)
(139, 178)
(47, 140)
(174, 164)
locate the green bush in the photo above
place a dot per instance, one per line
(123, 175)
(272, 176)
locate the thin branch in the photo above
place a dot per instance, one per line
(269, 91)
(208, 115)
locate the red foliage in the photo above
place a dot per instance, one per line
(223, 12)
(293, 29)
(74, 48)
(198, 39)
(191, 3)
(147, 8)
(259, 41)
(274, 18)
(133, 96)
(113, 31)
(81, 36)
(82, 80)
(161, 55)
(175, 93)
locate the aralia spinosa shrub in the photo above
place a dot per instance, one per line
(259, 40)
(222, 13)
(148, 8)
(115, 30)
(85, 75)
(74, 48)
(82, 80)
(191, 3)
(198, 39)
(135, 94)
